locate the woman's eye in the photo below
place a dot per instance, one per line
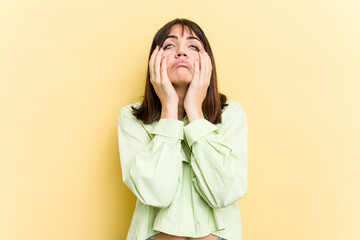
(166, 47)
(193, 46)
(196, 48)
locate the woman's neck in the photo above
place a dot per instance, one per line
(181, 93)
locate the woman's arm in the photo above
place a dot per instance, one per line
(151, 168)
(219, 157)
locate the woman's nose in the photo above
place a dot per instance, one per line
(181, 51)
(181, 54)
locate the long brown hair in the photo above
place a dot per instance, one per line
(150, 108)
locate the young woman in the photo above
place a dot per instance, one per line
(184, 149)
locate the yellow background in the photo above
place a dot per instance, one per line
(68, 67)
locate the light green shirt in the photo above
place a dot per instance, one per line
(187, 177)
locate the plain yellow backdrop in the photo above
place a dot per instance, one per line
(68, 67)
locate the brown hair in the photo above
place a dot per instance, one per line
(150, 109)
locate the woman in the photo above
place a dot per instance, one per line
(183, 149)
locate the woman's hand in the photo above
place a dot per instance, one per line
(197, 90)
(160, 80)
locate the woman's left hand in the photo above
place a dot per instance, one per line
(197, 90)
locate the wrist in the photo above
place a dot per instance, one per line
(192, 108)
(194, 114)
(169, 111)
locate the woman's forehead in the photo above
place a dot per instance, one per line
(177, 31)
(181, 30)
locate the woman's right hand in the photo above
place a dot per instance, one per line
(160, 80)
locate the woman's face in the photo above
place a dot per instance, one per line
(181, 53)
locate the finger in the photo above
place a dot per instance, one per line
(208, 67)
(163, 69)
(197, 71)
(151, 63)
(210, 71)
(153, 54)
(202, 67)
(157, 65)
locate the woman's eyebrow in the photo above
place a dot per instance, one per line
(188, 38)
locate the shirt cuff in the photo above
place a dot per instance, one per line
(170, 128)
(197, 129)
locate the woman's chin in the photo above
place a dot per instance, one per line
(181, 80)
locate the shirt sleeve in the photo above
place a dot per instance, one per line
(151, 167)
(219, 157)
